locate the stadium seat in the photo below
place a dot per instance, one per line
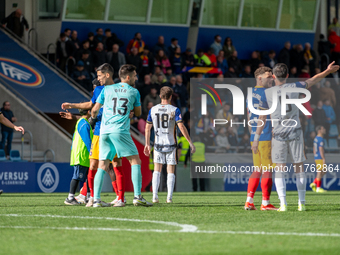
(333, 143)
(14, 155)
(3, 155)
(333, 131)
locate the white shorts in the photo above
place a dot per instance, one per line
(295, 148)
(168, 158)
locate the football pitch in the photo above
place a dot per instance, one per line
(196, 223)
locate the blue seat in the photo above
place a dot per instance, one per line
(333, 131)
(14, 155)
(333, 143)
(3, 155)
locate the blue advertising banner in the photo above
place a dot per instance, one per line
(237, 177)
(35, 177)
(33, 79)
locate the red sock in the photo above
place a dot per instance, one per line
(84, 190)
(318, 183)
(315, 180)
(253, 183)
(90, 178)
(120, 182)
(114, 186)
(266, 185)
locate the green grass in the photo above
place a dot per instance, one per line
(211, 211)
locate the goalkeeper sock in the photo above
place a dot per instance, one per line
(136, 176)
(98, 183)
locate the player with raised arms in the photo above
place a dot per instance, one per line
(261, 153)
(320, 161)
(117, 101)
(164, 118)
(287, 131)
(116, 175)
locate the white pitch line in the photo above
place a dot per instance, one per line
(185, 227)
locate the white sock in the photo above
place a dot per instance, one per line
(250, 200)
(171, 184)
(280, 183)
(156, 177)
(301, 186)
(317, 189)
(82, 196)
(70, 196)
(265, 202)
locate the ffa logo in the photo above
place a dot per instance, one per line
(20, 73)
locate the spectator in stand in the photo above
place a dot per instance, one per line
(142, 123)
(161, 81)
(284, 55)
(158, 71)
(335, 26)
(85, 46)
(244, 144)
(6, 132)
(297, 57)
(145, 88)
(161, 46)
(75, 41)
(319, 116)
(136, 42)
(293, 72)
(201, 59)
(176, 96)
(64, 51)
(211, 57)
(172, 47)
(206, 125)
(81, 76)
(87, 60)
(182, 92)
(327, 93)
(334, 39)
(247, 73)
(231, 73)
(304, 73)
(330, 115)
(93, 44)
(222, 141)
(310, 141)
(116, 59)
(308, 118)
(162, 60)
(134, 59)
(99, 56)
(16, 23)
(151, 97)
(315, 95)
(111, 39)
(225, 113)
(177, 61)
(271, 61)
(232, 137)
(254, 61)
(310, 57)
(148, 62)
(324, 50)
(188, 58)
(68, 32)
(222, 62)
(168, 73)
(228, 47)
(235, 63)
(216, 46)
(100, 37)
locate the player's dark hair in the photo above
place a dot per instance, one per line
(318, 128)
(166, 92)
(261, 70)
(107, 30)
(83, 112)
(280, 71)
(126, 70)
(106, 68)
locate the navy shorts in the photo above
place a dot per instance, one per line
(80, 173)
